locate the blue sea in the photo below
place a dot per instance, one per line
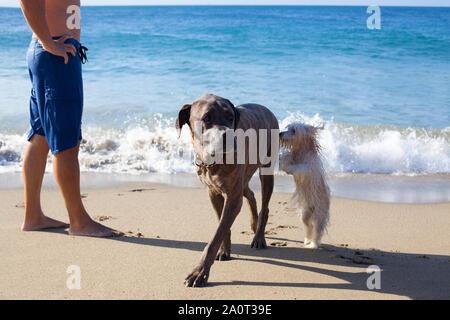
(383, 96)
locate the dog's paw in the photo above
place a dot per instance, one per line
(198, 278)
(223, 255)
(312, 245)
(259, 243)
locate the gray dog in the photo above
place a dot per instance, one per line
(228, 183)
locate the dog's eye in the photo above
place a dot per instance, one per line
(206, 119)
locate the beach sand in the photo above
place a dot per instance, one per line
(167, 229)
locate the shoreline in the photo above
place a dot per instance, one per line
(419, 189)
(168, 227)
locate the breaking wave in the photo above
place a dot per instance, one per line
(346, 148)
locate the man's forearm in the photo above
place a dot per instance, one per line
(34, 12)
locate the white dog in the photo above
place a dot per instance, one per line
(301, 158)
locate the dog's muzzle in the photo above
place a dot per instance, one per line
(201, 164)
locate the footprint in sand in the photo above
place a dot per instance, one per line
(286, 227)
(358, 260)
(135, 234)
(279, 244)
(103, 218)
(142, 190)
(272, 231)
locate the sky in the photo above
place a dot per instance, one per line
(15, 3)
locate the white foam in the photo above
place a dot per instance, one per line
(136, 150)
(12, 147)
(375, 149)
(345, 149)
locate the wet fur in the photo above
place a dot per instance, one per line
(301, 159)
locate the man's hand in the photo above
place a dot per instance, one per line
(34, 13)
(59, 48)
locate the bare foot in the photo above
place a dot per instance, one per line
(94, 229)
(43, 223)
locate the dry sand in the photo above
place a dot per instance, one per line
(168, 228)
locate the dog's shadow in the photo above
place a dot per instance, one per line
(411, 275)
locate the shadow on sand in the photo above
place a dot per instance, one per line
(409, 275)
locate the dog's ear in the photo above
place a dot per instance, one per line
(236, 113)
(183, 118)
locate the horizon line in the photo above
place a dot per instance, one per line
(252, 5)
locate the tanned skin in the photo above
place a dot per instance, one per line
(47, 19)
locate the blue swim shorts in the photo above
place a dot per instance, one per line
(56, 103)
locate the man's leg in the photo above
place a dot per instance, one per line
(67, 174)
(34, 163)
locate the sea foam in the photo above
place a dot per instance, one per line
(346, 148)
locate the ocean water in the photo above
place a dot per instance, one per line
(383, 96)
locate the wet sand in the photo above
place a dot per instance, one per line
(415, 189)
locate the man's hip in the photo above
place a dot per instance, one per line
(56, 103)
